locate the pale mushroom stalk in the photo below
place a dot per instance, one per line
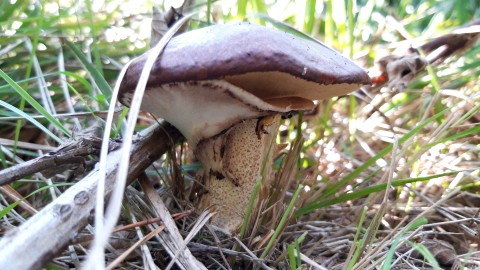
(232, 164)
(224, 87)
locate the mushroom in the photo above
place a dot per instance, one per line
(225, 87)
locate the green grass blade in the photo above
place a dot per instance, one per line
(93, 71)
(329, 23)
(209, 12)
(366, 191)
(282, 222)
(456, 136)
(3, 159)
(359, 243)
(241, 9)
(93, 29)
(285, 27)
(7, 8)
(292, 259)
(7, 89)
(9, 208)
(309, 21)
(34, 103)
(293, 250)
(31, 120)
(422, 249)
(411, 226)
(251, 203)
(259, 6)
(351, 26)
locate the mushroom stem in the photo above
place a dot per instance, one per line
(232, 162)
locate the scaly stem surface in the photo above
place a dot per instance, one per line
(232, 162)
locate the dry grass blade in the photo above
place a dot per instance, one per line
(281, 224)
(45, 96)
(258, 262)
(26, 145)
(146, 252)
(100, 114)
(100, 241)
(140, 242)
(63, 83)
(365, 244)
(199, 224)
(311, 262)
(174, 242)
(105, 226)
(11, 193)
(449, 215)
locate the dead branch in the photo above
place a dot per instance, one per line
(75, 152)
(42, 237)
(398, 70)
(459, 40)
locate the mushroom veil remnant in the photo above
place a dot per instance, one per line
(224, 87)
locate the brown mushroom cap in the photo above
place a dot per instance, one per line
(258, 67)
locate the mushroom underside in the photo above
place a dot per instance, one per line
(271, 84)
(202, 109)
